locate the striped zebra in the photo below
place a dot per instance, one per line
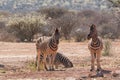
(48, 48)
(59, 59)
(95, 47)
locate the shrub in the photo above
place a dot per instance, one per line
(31, 65)
(80, 36)
(53, 12)
(26, 27)
(108, 31)
(2, 25)
(107, 48)
(7, 37)
(67, 23)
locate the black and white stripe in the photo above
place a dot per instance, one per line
(59, 59)
(96, 44)
(52, 44)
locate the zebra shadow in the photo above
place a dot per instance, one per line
(96, 74)
(101, 74)
(106, 71)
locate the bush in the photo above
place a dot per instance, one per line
(7, 37)
(67, 23)
(107, 48)
(108, 31)
(2, 25)
(53, 12)
(25, 27)
(80, 36)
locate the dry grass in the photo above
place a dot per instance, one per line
(107, 48)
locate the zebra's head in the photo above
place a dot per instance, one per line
(93, 32)
(56, 35)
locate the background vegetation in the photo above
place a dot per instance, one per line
(74, 24)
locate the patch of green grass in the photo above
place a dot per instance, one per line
(2, 71)
(32, 66)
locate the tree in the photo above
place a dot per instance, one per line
(26, 27)
(67, 23)
(116, 3)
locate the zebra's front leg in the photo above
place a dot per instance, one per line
(45, 62)
(98, 61)
(38, 60)
(99, 70)
(92, 62)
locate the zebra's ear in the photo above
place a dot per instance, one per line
(56, 30)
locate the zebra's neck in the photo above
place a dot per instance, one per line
(95, 44)
(95, 40)
(53, 45)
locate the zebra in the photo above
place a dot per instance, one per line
(48, 48)
(59, 59)
(95, 47)
(62, 59)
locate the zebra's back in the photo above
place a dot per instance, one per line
(62, 59)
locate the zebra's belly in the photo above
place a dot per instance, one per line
(95, 50)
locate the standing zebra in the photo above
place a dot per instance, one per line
(95, 46)
(48, 48)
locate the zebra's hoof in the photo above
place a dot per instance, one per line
(99, 69)
(91, 70)
(52, 69)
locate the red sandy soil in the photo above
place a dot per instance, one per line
(14, 59)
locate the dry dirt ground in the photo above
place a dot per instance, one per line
(16, 62)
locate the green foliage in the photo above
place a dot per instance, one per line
(26, 27)
(31, 65)
(107, 48)
(2, 71)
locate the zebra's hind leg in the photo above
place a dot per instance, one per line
(49, 62)
(52, 61)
